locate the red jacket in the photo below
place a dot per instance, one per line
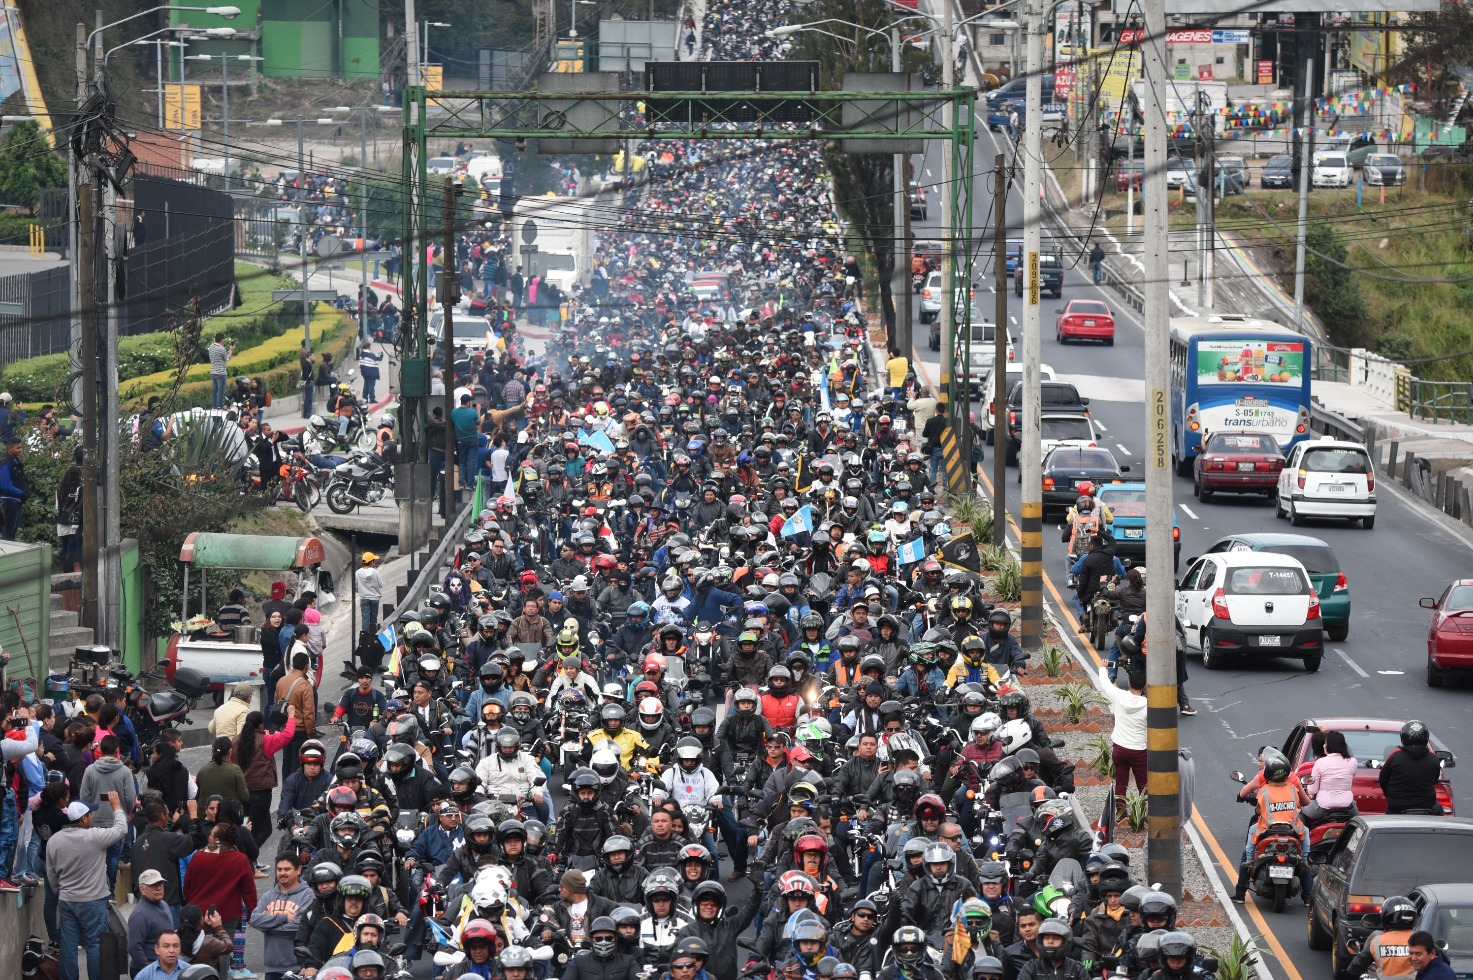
(226, 881)
(780, 712)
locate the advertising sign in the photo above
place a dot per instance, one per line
(1265, 73)
(1063, 80)
(1204, 73)
(181, 109)
(1249, 362)
(1192, 35)
(1117, 69)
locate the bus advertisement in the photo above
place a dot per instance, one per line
(1237, 373)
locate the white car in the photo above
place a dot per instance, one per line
(1327, 478)
(1249, 603)
(442, 166)
(1332, 171)
(1015, 375)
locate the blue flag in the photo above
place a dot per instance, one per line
(598, 440)
(387, 638)
(911, 552)
(799, 523)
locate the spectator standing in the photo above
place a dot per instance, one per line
(166, 963)
(466, 421)
(105, 778)
(1096, 261)
(278, 915)
(325, 376)
(307, 382)
(370, 591)
(167, 774)
(296, 689)
(76, 868)
(222, 777)
(160, 847)
(220, 356)
(897, 367)
(254, 748)
(13, 486)
(1128, 739)
(231, 714)
(370, 364)
(221, 876)
(150, 919)
(50, 817)
(69, 514)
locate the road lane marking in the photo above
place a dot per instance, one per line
(1188, 511)
(1012, 319)
(1101, 425)
(1123, 449)
(1353, 665)
(1391, 673)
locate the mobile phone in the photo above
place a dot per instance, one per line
(210, 910)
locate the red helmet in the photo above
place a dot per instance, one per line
(605, 563)
(930, 806)
(341, 798)
(653, 662)
(644, 688)
(1085, 489)
(478, 929)
(795, 883)
(810, 842)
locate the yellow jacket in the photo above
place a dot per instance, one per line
(628, 740)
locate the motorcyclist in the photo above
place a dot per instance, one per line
(1055, 942)
(857, 940)
(513, 771)
(603, 960)
(663, 917)
(795, 892)
(655, 728)
(1278, 798)
(1385, 950)
(929, 901)
(1409, 775)
(780, 704)
(612, 729)
(1093, 571)
(414, 785)
(584, 823)
(910, 963)
(718, 926)
(1000, 648)
(620, 878)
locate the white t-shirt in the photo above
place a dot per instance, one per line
(498, 464)
(577, 921)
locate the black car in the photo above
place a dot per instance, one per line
(1279, 172)
(1055, 397)
(1068, 466)
(1050, 275)
(1374, 858)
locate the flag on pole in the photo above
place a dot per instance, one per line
(799, 523)
(911, 552)
(387, 638)
(1106, 826)
(599, 440)
(961, 552)
(801, 480)
(478, 502)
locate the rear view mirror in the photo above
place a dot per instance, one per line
(1125, 469)
(1371, 920)
(1427, 602)
(1318, 857)
(1446, 758)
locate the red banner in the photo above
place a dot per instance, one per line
(1265, 73)
(1063, 80)
(1189, 36)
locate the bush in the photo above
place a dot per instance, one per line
(274, 360)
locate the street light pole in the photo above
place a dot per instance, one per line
(1030, 462)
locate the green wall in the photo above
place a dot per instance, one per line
(25, 609)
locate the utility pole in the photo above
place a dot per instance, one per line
(1303, 153)
(1163, 780)
(411, 59)
(947, 359)
(999, 346)
(1030, 461)
(363, 224)
(1208, 127)
(900, 276)
(449, 293)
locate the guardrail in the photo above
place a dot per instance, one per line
(427, 570)
(1435, 401)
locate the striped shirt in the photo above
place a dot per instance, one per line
(219, 357)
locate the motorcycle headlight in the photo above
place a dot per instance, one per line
(405, 835)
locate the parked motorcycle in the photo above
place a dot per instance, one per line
(361, 482)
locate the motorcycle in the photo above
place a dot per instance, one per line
(1274, 870)
(361, 482)
(151, 713)
(568, 729)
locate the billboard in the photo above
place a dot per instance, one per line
(17, 70)
(625, 45)
(181, 106)
(1116, 68)
(1247, 362)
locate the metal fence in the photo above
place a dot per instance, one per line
(188, 251)
(44, 324)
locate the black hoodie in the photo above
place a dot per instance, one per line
(1409, 779)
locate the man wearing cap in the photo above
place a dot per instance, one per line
(232, 713)
(76, 869)
(9, 416)
(150, 917)
(370, 592)
(576, 908)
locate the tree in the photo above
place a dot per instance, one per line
(27, 165)
(1330, 286)
(863, 183)
(1432, 47)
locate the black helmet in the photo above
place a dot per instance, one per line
(1398, 912)
(510, 829)
(1000, 617)
(1414, 733)
(508, 738)
(1276, 766)
(399, 759)
(324, 873)
(1159, 903)
(475, 825)
(584, 778)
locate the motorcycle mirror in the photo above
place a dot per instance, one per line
(302, 953)
(397, 949)
(1372, 920)
(539, 781)
(1209, 964)
(542, 954)
(1237, 777)
(1446, 758)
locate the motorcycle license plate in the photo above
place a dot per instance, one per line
(1270, 641)
(1277, 871)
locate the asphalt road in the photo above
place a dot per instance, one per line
(1377, 672)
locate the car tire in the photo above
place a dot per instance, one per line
(1435, 677)
(989, 437)
(1184, 467)
(1312, 662)
(1337, 631)
(1058, 336)
(1011, 457)
(1368, 522)
(1295, 518)
(1317, 938)
(1110, 342)
(1279, 506)
(1211, 659)
(1339, 956)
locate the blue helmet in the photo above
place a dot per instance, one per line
(694, 448)
(638, 613)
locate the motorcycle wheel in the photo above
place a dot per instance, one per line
(339, 501)
(364, 438)
(302, 494)
(1281, 895)
(1098, 635)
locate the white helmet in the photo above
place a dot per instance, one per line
(651, 706)
(770, 581)
(604, 761)
(487, 892)
(900, 742)
(317, 422)
(987, 722)
(862, 566)
(1014, 735)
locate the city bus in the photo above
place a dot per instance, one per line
(1230, 371)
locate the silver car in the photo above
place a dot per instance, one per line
(1384, 170)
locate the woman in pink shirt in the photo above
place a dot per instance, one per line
(1332, 777)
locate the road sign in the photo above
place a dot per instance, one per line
(329, 245)
(529, 232)
(181, 106)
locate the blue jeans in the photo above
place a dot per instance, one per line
(465, 460)
(217, 391)
(81, 925)
(49, 910)
(935, 462)
(1095, 268)
(29, 857)
(9, 833)
(368, 614)
(114, 855)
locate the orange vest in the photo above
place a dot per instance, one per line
(1389, 948)
(1278, 803)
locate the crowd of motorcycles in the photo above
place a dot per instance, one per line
(677, 707)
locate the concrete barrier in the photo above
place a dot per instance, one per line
(19, 920)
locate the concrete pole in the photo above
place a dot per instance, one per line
(1030, 458)
(947, 359)
(900, 277)
(158, 49)
(363, 224)
(1000, 345)
(1163, 846)
(448, 277)
(1306, 154)
(411, 55)
(225, 109)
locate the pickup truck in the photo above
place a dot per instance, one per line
(1050, 274)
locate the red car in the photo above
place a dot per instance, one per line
(1370, 740)
(1085, 319)
(1237, 462)
(1450, 634)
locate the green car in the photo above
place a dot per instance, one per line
(1318, 560)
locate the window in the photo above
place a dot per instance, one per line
(1349, 847)
(1269, 581)
(1398, 861)
(1346, 461)
(1221, 60)
(997, 40)
(1459, 598)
